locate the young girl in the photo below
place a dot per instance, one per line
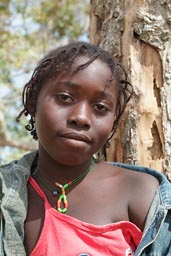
(61, 200)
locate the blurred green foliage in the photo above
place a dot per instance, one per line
(28, 30)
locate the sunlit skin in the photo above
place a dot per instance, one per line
(74, 118)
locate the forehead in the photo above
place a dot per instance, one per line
(94, 66)
(91, 75)
(95, 70)
(95, 77)
(92, 81)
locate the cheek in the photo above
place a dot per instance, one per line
(104, 129)
(44, 118)
(49, 118)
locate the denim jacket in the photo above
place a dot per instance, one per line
(156, 239)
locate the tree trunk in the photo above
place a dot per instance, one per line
(138, 34)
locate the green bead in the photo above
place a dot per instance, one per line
(64, 210)
(62, 197)
(66, 186)
(60, 210)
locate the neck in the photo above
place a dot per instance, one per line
(53, 170)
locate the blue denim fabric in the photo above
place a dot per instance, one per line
(156, 240)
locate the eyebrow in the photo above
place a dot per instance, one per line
(71, 84)
(67, 83)
(108, 95)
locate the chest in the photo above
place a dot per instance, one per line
(93, 203)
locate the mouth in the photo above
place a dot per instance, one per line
(76, 136)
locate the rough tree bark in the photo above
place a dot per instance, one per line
(138, 34)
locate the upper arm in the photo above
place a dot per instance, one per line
(142, 190)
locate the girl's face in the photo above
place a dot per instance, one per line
(74, 116)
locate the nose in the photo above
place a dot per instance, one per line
(80, 116)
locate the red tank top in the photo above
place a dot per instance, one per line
(63, 235)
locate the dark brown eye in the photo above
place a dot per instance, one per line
(101, 108)
(63, 97)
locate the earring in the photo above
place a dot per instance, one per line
(34, 134)
(98, 156)
(31, 128)
(107, 144)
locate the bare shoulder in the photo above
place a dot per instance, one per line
(141, 180)
(139, 188)
(133, 177)
(144, 187)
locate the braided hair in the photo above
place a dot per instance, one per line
(59, 61)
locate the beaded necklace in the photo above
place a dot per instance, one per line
(62, 188)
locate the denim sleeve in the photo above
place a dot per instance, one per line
(156, 240)
(161, 244)
(1, 224)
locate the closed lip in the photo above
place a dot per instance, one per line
(76, 136)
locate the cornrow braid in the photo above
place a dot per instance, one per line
(60, 61)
